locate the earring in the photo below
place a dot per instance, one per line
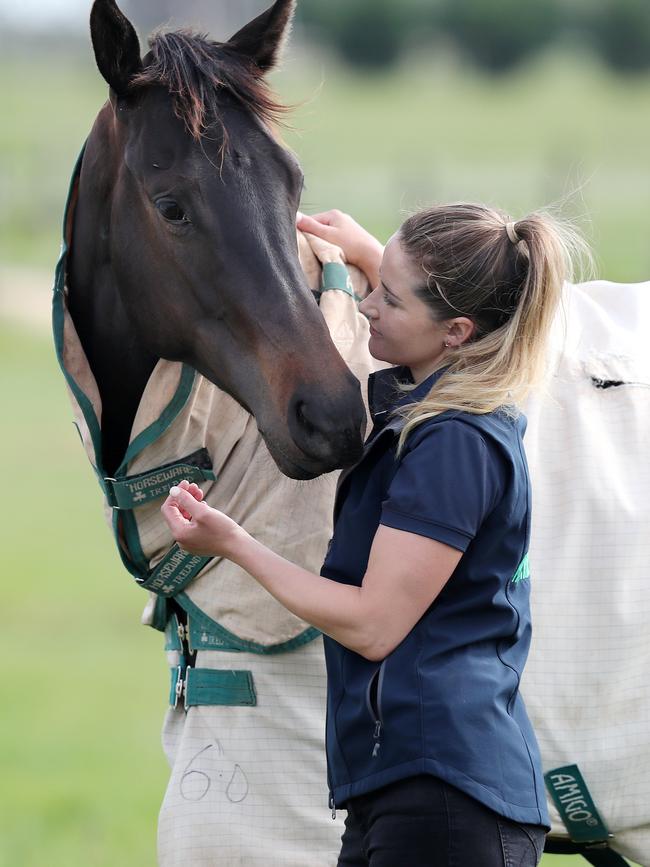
(447, 344)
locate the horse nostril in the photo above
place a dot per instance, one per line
(303, 420)
(325, 429)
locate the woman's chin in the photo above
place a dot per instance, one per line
(380, 355)
(375, 349)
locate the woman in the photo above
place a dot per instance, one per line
(423, 598)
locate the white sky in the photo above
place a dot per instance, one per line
(37, 13)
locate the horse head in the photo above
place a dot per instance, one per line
(184, 242)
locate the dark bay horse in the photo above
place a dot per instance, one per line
(180, 255)
(183, 244)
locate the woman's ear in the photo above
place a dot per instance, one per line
(459, 331)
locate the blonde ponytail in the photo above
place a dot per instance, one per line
(507, 277)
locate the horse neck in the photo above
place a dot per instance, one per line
(119, 364)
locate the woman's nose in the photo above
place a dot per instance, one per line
(368, 306)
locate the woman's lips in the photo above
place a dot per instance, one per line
(374, 331)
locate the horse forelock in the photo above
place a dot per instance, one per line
(195, 70)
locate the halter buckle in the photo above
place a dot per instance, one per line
(110, 493)
(181, 683)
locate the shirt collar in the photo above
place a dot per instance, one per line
(385, 395)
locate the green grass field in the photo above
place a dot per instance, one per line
(81, 766)
(84, 685)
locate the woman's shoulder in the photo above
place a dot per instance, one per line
(499, 430)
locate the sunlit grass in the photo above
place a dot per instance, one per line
(84, 686)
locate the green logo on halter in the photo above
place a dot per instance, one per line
(174, 572)
(129, 492)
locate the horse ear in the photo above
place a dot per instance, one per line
(263, 38)
(115, 43)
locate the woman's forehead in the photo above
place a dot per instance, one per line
(397, 269)
(394, 256)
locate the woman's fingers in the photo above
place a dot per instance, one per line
(317, 227)
(325, 218)
(195, 525)
(175, 517)
(359, 247)
(180, 509)
(194, 489)
(186, 500)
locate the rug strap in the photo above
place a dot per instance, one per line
(202, 687)
(174, 572)
(130, 492)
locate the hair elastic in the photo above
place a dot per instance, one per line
(512, 233)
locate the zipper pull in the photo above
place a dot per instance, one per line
(376, 735)
(332, 806)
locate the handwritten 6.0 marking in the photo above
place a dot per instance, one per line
(205, 768)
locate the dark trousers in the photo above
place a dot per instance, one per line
(424, 822)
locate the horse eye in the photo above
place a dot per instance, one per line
(172, 211)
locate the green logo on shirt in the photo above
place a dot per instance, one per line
(523, 571)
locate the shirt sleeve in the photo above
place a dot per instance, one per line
(446, 484)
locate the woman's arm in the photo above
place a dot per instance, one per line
(405, 574)
(359, 246)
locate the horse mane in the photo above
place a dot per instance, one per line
(194, 69)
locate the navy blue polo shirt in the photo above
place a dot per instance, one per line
(446, 701)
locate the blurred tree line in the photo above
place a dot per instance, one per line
(495, 34)
(220, 18)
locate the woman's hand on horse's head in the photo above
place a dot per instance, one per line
(359, 246)
(197, 527)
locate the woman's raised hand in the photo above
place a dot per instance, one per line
(359, 246)
(197, 527)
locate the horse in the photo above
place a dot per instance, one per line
(185, 244)
(193, 347)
